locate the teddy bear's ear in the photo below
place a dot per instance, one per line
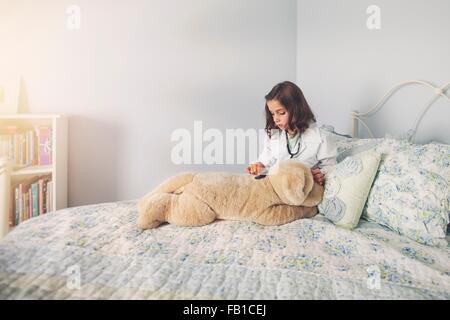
(292, 181)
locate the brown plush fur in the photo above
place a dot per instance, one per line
(195, 199)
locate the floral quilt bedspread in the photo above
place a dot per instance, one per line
(97, 252)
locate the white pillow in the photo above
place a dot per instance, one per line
(347, 186)
(351, 147)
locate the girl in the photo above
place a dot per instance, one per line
(292, 132)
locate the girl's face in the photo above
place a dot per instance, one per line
(279, 113)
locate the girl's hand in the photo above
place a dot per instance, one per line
(319, 177)
(255, 168)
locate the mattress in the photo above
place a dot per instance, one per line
(97, 252)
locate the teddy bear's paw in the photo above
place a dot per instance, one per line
(146, 222)
(144, 225)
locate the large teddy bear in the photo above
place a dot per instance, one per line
(287, 193)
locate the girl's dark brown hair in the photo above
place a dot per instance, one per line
(292, 98)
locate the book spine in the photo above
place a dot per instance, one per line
(41, 197)
(10, 148)
(12, 210)
(24, 207)
(16, 148)
(30, 147)
(35, 199)
(36, 149)
(44, 197)
(17, 206)
(45, 146)
(30, 203)
(50, 196)
(21, 207)
(22, 148)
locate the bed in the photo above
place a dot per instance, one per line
(97, 252)
(306, 259)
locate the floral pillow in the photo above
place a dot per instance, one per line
(411, 193)
(347, 186)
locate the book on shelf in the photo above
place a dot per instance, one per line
(12, 213)
(45, 146)
(25, 147)
(32, 198)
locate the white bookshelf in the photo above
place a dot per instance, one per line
(13, 174)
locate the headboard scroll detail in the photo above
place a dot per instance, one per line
(438, 92)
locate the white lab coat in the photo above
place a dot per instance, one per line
(316, 149)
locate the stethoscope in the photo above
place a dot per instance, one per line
(289, 148)
(262, 176)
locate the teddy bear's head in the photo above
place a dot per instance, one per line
(291, 180)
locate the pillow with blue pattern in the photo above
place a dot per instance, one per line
(411, 193)
(347, 186)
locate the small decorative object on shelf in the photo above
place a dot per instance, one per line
(33, 178)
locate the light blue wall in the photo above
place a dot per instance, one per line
(343, 66)
(137, 70)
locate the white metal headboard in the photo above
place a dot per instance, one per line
(411, 134)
